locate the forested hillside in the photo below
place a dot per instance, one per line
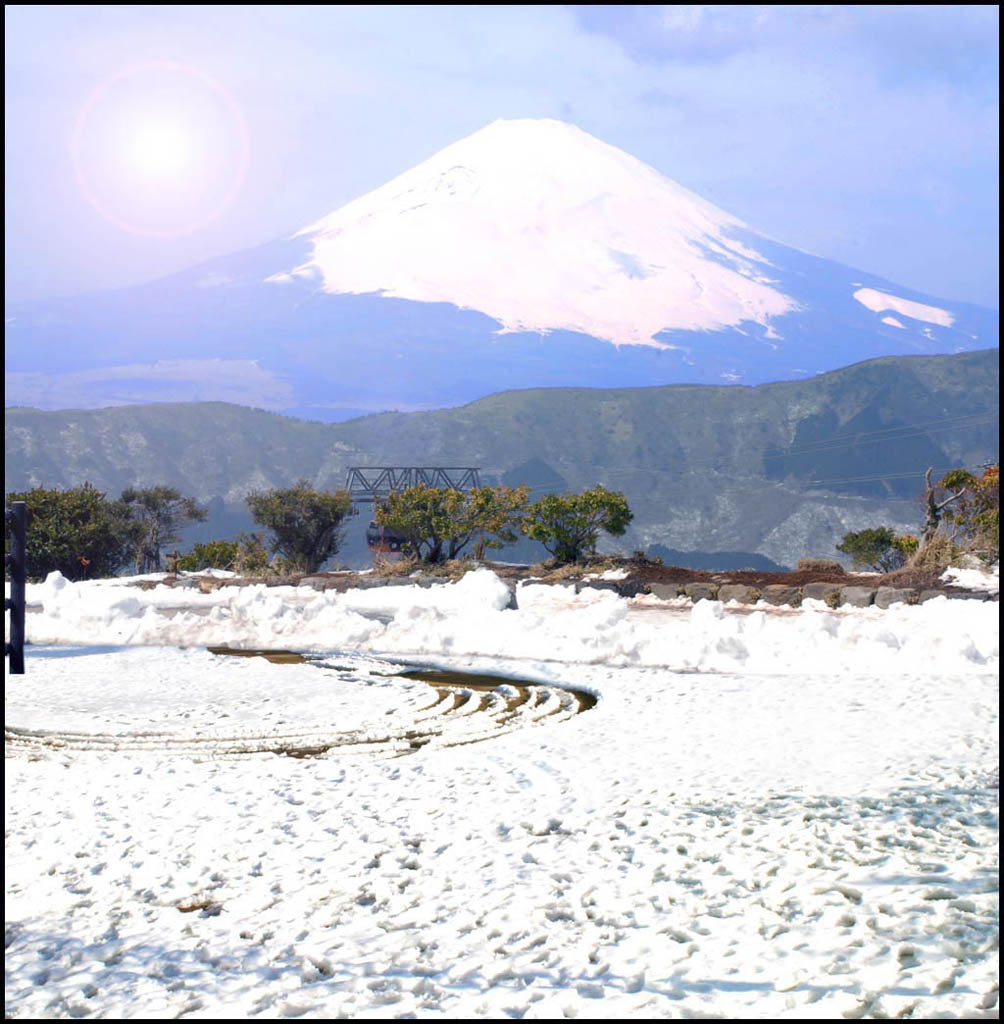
(781, 469)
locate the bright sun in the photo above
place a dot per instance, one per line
(161, 151)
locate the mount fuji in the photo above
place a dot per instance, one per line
(527, 254)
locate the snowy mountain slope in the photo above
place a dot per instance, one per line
(543, 227)
(528, 254)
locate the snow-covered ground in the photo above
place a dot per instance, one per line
(973, 578)
(768, 813)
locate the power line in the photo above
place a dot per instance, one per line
(809, 484)
(854, 441)
(902, 426)
(783, 453)
(871, 479)
(839, 480)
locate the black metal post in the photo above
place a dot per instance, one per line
(16, 520)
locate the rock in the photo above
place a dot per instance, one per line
(372, 582)
(316, 582)
(857, 597)
(701, 591)
(665, 591)
(828, 592)
(780, 593)
(738, 592)
(430, 581)
(968, 595)
(820, 565)
(930, 595)
(597, 585)
(886, 596)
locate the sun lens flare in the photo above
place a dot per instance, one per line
(160, 149)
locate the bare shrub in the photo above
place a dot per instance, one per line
(939, 553)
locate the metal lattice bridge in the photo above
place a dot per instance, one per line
(375, 483)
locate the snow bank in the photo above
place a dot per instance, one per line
(974, 579)
(471, 617)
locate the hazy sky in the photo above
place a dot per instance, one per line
(867, 135)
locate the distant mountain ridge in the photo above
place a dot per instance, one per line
(782, 470)
(528, 254)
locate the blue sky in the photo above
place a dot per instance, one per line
(868, 135)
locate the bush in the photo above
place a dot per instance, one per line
(938, 554)
(569, 525)
(906, 544)
(77, 532)
(879, 549)
(252, 555)
(438, 523)
(306, 524)
(246, 556)
(215, 554)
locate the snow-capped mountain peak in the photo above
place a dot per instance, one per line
(543, 227)
(597, 270)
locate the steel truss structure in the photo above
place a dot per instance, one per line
(375, 483)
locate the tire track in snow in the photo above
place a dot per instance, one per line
(468, 708)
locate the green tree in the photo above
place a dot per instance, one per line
(878, 548)
(305, 523)
(569, 525)
(77, 532)
(494, 517)
(160, 512)
(437, 523)
(423, 516)
(975, 513)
